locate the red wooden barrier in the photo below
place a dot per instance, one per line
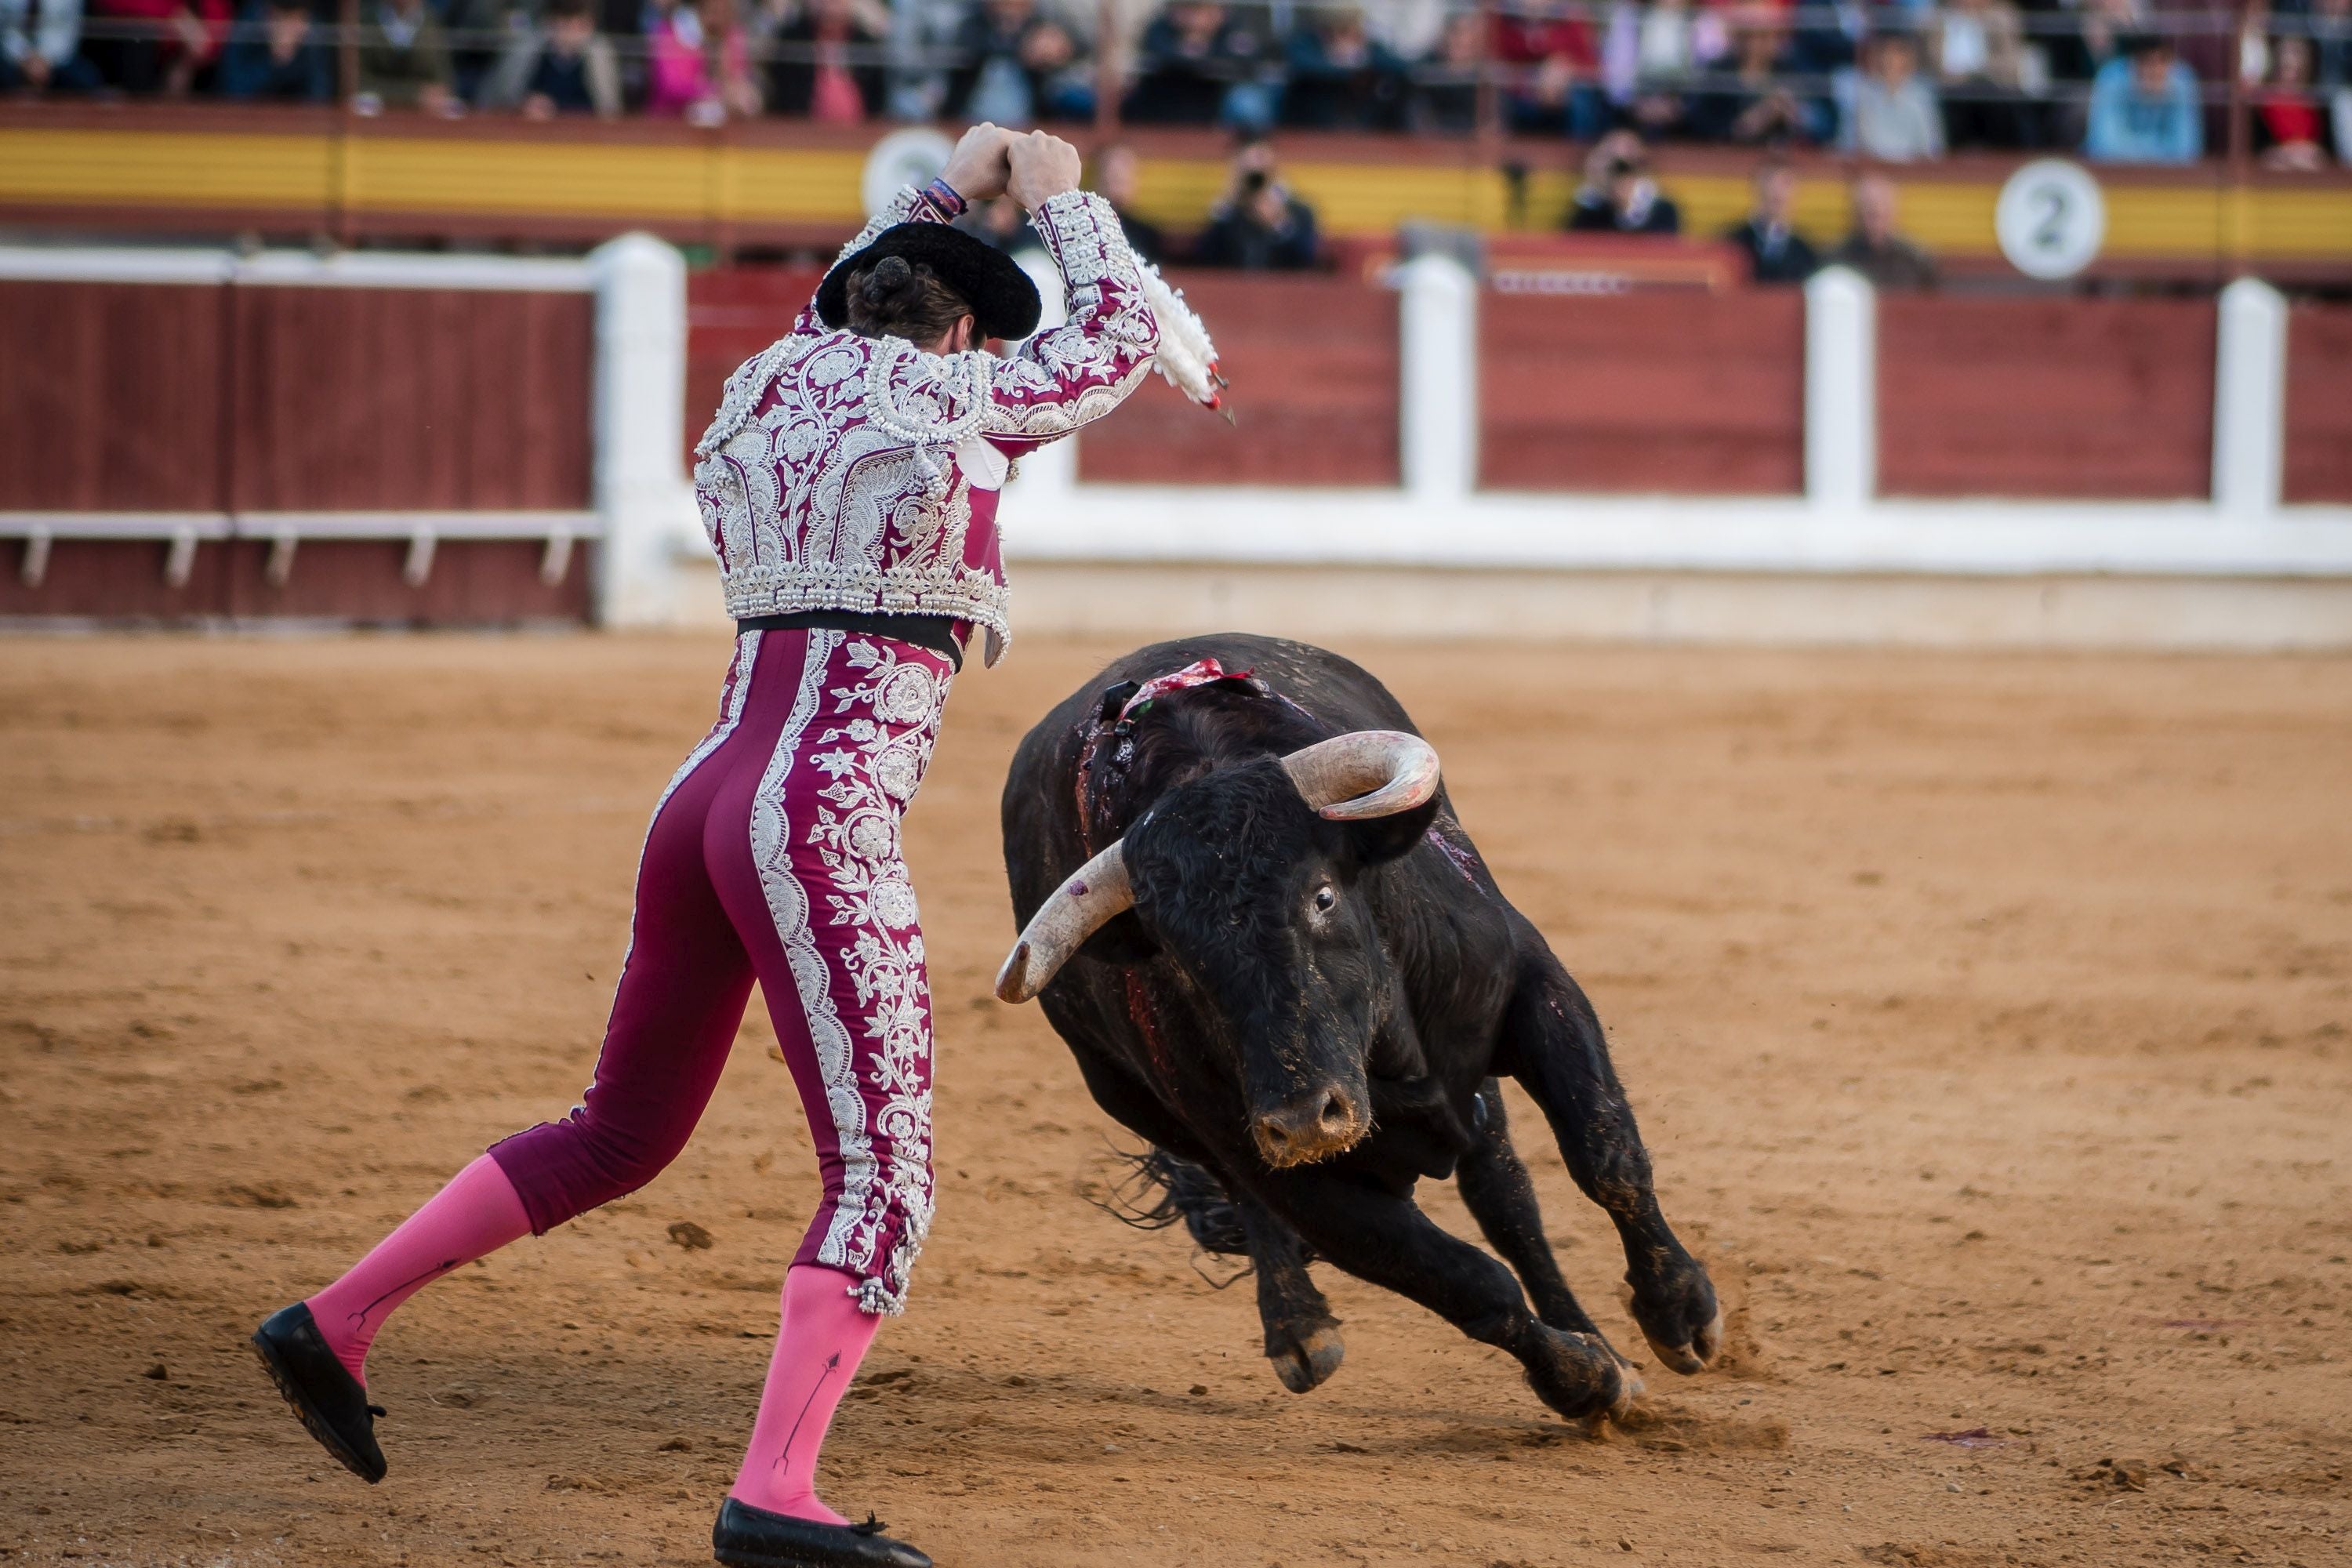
(216, 399)
(2107, 399)
(473, 583)
(1313, 361)
(1679, 394)
(110, 397)
(2319, 404)
(116, 579)
(400, 399)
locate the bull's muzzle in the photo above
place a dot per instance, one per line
(1324, 1121)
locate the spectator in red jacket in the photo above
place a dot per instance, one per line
(1553, 69)
(177, 41)
(2289, 129)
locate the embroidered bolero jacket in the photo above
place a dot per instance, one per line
(851, 473)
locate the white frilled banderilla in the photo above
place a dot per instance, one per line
(1187, 359)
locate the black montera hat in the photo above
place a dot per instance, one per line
(1003, 301)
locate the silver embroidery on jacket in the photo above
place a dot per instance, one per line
(829, 477)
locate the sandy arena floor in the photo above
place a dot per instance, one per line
(1987, 1018)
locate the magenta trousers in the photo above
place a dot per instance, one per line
(774, 855)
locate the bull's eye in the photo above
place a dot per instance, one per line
(1325, 901)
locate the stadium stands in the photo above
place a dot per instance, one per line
(318, 176)
(2130, 80)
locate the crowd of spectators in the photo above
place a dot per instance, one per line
(1259, 223)
(1618, 196)
(1895, 79)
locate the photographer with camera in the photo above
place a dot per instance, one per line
(1259, 226)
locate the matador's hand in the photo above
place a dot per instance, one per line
(1043, 167)
(978, 168)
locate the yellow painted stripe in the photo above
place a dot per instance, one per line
(2301, 224)
(2144, 222)
(699, 182)
(137, 168)
(398, 175)
(1362, 198)
(1949, 219)
(1946, 217)
(767, 185)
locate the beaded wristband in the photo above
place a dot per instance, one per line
(944, 201)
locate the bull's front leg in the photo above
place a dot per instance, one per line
(1302, 1337)
(1495, 1189)
(1553, 1044)
(1387, 1240)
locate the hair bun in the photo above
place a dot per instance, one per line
(896, 297)
(891, 278)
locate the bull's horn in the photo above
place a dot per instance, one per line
(1367, 773)
(1096, 893)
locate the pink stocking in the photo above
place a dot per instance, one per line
(823, 1337)
(478, 1213)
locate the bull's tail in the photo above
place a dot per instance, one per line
(1163, 1189)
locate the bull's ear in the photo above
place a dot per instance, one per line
(1379, 838)
(1120, 940)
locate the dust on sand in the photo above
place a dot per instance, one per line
(1986, 1018)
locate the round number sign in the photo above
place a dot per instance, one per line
(2050, 218)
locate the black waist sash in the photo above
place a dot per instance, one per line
(936, 633)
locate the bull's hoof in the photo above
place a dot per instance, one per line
(1581, 1377)
(1679, 1316)
(1306, 1362)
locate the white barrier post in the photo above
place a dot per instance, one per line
(1437, 406)
(2249, 399)
(642, 494)
(1841, 389)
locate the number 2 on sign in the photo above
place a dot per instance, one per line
(2049, 233)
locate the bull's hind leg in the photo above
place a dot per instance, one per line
(1302, 1337)
(1553, 1044)
(1495, 1188)
(1383, 1239)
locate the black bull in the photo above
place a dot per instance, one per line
(1316, 1014)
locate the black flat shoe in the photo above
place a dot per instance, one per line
(748, 1537)
(328, 1401)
